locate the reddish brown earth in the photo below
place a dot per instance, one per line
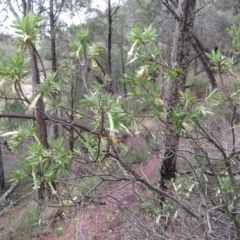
(104, 222)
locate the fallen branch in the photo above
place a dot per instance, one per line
(8, 192)
(12, 204)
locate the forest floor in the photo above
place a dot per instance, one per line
(104, 221)
(108, 219)
(114, 216)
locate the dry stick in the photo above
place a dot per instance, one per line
(8, 192)
(150, 186)
(20, 199)
(133, 215)
(226, 160)
(62, 121)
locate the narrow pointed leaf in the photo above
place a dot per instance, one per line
(34, 102)
(9, 134)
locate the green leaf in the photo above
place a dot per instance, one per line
(235, 34)
(34, 102)
(235, 43)
(111, 124)
(213, 95)
(48, 86)
(125, 128)
(158, 219)
(132, 49)
(135, 35)
(54, 192)
(59, 231)
(16, 175)
(133, 60)
(35, 183)
(27, 28)
(170, 74)
(14, 68)
(148, 35)
(9, 133)
(80, 45)
(94, 51)
(218, 53)
(136, 128)
(187, 98)
(210, 57)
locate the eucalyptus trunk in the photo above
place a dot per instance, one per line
(41, 127)
(181, 60)
(2, 182)
(196, 44)
(110, 14)
(109, 46)
(53, 55)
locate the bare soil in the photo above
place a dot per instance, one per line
(108, 218)
(107, 222)
(104, 220)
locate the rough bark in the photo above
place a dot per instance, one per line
(2, 182)
(41, 128)
(109, 37)
(109, 46)
(53, 38)
(53, 54)
(122, 59)
(110, 15)
(183, 44)
(198, 47)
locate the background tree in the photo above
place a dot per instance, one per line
(183, 43)
(2, 179)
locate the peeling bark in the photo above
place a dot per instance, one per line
(183, 45)
(53, 55)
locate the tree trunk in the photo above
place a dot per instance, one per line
(198, 45)
(41, 127)
(122, 59)
(195, 66)
(54, 55)
(183, 44)
(2, 182)
(109, 50)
